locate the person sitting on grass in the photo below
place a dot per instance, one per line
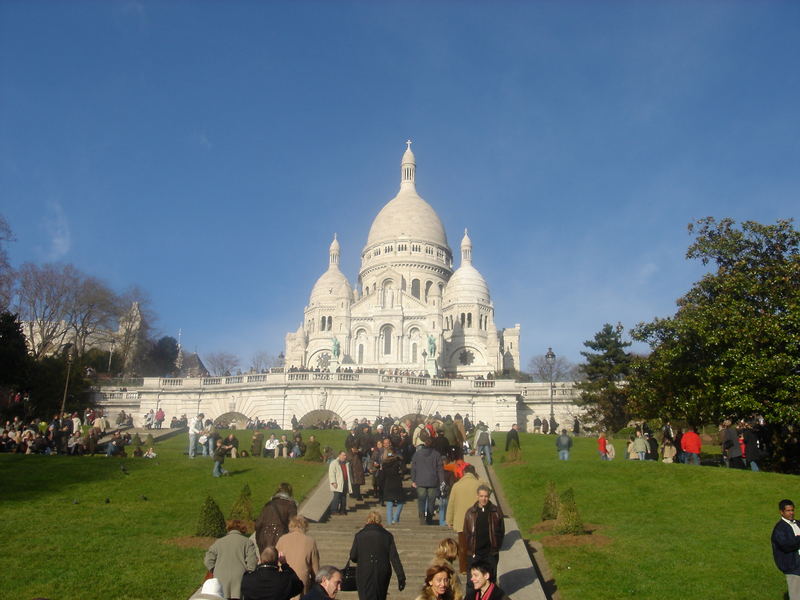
(482, 586)
(219, 457)
(151, 453)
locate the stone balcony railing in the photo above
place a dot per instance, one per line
(301, 378)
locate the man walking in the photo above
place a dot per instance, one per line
(195, 428)
(484, 530)
(339, 481)
(273, 578)
(512, 442)
(483, 442)
(563, 445)
(462, 497)
(785, 547)
(427, 474)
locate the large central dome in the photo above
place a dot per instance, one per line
(407, 215)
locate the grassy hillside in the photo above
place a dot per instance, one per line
(63, 540)
(676, 531)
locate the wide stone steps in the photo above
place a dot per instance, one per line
(415, 543)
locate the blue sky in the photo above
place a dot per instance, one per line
(208, 151)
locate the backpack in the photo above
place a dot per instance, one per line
(483, 439)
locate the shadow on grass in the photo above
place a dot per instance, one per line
(40, 475)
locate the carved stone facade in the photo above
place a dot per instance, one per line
(410, 311)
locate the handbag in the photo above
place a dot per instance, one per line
(349, 578)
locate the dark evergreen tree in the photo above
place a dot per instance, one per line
(243, 507)
(551, 502)
(13, 351)
(604, 392)
(568, 521)
(211, 522)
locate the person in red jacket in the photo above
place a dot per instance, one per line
(691, 445)
(602, 447)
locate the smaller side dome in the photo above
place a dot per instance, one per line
(466, 284)
(332, 284)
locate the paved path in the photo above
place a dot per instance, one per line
(415, 543)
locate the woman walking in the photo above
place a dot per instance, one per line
(374, 551)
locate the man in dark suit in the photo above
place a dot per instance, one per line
(785, 547)
(273, 579)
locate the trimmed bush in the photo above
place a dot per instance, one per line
(211, 522)
(243, 507)
(551, 502)
(149, 441)
(568, 521)
(136, 440)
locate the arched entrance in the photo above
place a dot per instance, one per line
(231, 420)
(321, 419)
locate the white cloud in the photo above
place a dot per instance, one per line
(56, 227)
(646, 271)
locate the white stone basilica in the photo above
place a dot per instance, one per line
(410, 310)
(414, 337)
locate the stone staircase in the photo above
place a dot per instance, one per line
(415, 543)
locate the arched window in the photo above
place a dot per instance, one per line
(361, 354)
(415, 288)
(386, 335)
(414, 352)
(469, 319)
(463, 320)
(330, 323)
(428, 285)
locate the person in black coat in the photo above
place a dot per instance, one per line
(785, 546)
(327, 584)
(373, 551)
(273, 579)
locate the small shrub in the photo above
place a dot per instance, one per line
(211, 522)
(136, 440)
(568, 521)
(149, 441)
(243, 507)
(551, 502)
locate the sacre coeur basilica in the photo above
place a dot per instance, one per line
(414, 335)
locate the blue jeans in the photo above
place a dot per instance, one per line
(641, 455)
(218, 470)
(603, 455)
(192, 445)
(443, 511)
(692, 458)
(753, 466)
(563, 455)
(487, 452)
(426, 499)
(393, 510)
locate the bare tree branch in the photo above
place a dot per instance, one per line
(221, 363)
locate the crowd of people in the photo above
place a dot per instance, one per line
(743, 444)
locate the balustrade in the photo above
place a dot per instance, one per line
(256, 378)
(441, 383)
(298, 376)
(212, 380)
(417, 380)
(234, 379)
(483, 383)
(171, 381)
(347, 376)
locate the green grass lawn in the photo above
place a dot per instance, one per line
(56, 548)
(677, 531)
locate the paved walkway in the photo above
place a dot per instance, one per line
(415, 543)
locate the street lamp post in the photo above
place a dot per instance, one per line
(70, 358)
(550, 358)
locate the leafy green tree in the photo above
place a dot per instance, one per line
(160, 359)
(13, 351)
(733, 347)
(604, 391)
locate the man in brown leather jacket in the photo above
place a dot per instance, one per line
(484, 530)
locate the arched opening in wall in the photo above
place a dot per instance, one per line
(231, 420)
(330, 323)
(321, 419)
(360, 354)
(413, 352)
(469, 319)
(463, 320)
(386, 339)
(428, 285)
(415, 288)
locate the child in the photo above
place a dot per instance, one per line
(219, 458)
